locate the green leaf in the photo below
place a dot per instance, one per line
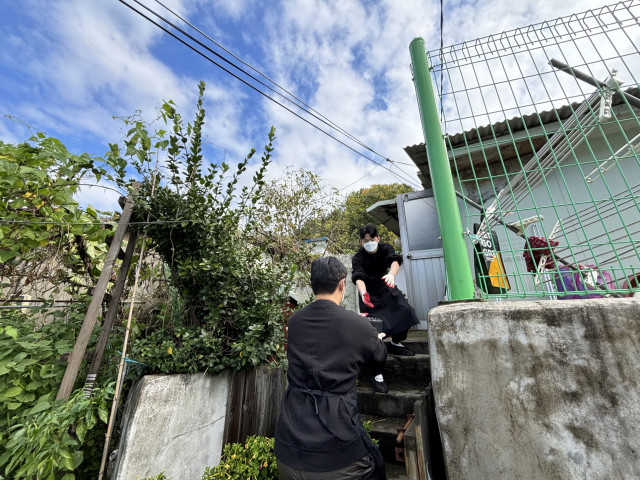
(7, 255)
(11, 331)
(103, 414)
(90, 419)
(81, 431)
(67, 460)
(13, 405)
(77, 458)
(12, 392)
(40, 407)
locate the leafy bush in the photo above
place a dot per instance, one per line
(47, 442)
(202, 224)
(37, 433)
(37, 183)
(252, 461)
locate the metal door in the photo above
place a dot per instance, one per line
(422, 251)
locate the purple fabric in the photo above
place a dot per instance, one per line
(571, 281)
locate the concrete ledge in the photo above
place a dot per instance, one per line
(167, 416)
(546, 389)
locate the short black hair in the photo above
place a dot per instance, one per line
(369, 228)
(326, 273)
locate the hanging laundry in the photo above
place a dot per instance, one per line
(536, 247)
(569, 280)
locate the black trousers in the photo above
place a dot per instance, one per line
(399, 337)
(362, 469)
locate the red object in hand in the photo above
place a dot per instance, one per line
(367, 299)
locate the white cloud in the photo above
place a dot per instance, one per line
(100, 196)
(352, 63)
(86, 61)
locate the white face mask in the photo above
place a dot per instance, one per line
(371, 246)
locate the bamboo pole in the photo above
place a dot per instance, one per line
(119, 381)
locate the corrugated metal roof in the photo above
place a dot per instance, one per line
(386, 212)
(507, 150)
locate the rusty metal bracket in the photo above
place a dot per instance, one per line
(400, 438)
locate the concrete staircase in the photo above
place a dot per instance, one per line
(407, 379)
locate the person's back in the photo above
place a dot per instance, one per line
(318, 434)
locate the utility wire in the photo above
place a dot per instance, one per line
(320, 117)
(254, 87)
(331, 123)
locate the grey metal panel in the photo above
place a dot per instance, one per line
(427, 284)
(425, 272)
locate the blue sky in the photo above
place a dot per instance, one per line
(67, 67)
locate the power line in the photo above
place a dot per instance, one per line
(320, 117)
(262, 83)
(310, 109)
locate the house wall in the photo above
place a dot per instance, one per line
(553, 200)
(529, 390)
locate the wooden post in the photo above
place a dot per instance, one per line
(111, 313)
(70, 374)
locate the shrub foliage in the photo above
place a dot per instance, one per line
(202, 220)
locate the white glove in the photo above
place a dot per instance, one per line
(390, 280)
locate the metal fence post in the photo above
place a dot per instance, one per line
(455, 250)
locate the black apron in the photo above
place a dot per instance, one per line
(379, 472)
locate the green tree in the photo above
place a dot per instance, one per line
(227, 297)
(290, 203)
(341, 225)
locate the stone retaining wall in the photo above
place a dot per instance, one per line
(545, 390)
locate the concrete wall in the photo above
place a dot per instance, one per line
(175, 424)
(179, 423)
(543, 390)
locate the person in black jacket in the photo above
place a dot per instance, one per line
(319, 435)
(374, 269)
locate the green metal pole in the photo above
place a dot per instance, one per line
(456, 258)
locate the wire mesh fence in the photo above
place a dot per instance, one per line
(542, 132)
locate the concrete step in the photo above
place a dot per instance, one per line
(396, 472)
(386, 430)
(418, 346)
(397, 403)
(416, 342)
(412, 370)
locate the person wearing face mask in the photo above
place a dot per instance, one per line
(374, 270)
(319, 435)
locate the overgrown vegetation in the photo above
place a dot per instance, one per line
(47, 243)
(254, 460)
(225, 247)
(39, 436)
(202, 219)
